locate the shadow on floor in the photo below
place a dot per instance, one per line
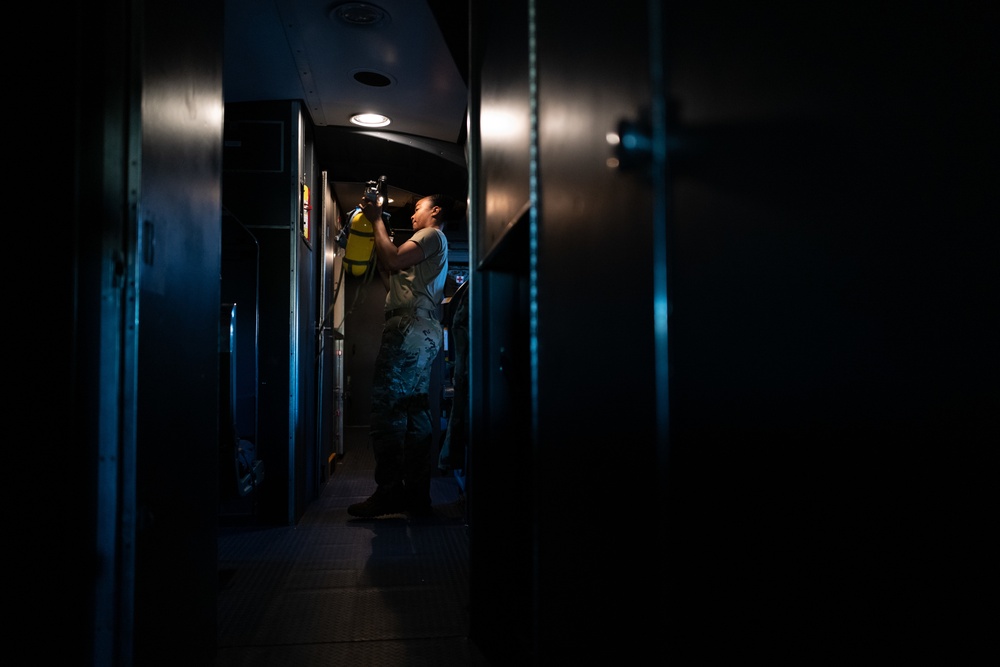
(335, 590)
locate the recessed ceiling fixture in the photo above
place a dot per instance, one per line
(360, 13)
(370, 120)
(372, 78)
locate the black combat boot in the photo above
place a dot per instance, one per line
(383, 501)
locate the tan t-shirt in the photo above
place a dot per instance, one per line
(421, 285)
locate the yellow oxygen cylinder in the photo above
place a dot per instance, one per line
(360, 244)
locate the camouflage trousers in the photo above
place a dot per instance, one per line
(401, 430)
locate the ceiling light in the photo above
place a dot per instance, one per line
(360, 13)
(370, 120)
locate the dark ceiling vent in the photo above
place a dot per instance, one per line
(360, 13)
(370, 78)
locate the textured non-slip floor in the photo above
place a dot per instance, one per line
(335, 590)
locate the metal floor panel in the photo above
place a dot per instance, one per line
(336, 590)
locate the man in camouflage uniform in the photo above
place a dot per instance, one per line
(401, 431)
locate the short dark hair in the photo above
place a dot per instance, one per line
(450, 208)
